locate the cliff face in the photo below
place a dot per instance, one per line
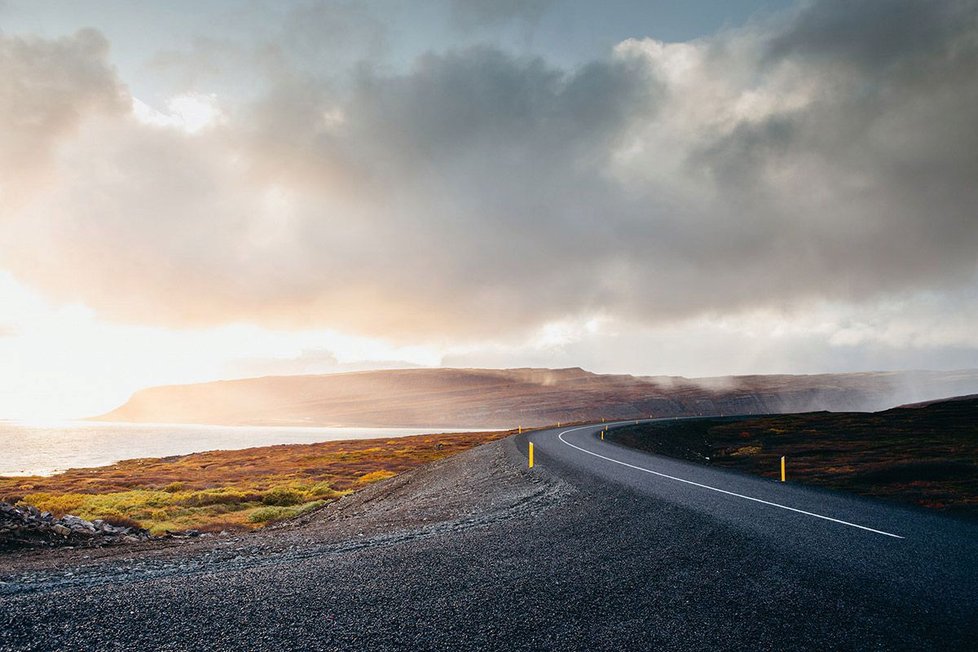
(480, 398)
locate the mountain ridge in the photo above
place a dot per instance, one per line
(527, 396)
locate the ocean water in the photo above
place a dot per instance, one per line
(44, 449)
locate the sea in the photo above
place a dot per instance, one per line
(28, 448)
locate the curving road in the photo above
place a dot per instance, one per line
(598, 547)
(927, 561)
(739, 498)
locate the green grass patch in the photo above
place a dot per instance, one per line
(272, 514)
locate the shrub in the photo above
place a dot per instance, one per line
(283, 497)
(279, 513)
(308, 507)
(128, 501)
(159, 515)
(268, 514)
(322, 489)
(218, 497)
(223, 508)
(55, 503)
(375, 476)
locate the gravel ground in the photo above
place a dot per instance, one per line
(473, 552)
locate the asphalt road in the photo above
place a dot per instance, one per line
(771, 508)
(598, 547)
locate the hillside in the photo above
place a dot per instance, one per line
(481, 398)
(926, 455)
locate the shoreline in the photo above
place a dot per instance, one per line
(45, 449)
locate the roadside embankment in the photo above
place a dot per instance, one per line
(926, 456)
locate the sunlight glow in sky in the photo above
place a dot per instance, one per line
(207, 190)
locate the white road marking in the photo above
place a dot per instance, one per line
(722, 491)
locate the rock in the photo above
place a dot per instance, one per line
(26, 525)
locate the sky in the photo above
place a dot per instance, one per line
(213, 189)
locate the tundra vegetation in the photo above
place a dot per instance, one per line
(924, 455)
(231, 490)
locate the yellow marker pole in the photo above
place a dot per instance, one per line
(531, 454)
(520, 430)
(782, 468)
(602, 435)
(558, 424)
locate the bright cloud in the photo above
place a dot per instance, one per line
(191, 112)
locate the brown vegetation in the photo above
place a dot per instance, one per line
(924, 455)
(239, 489)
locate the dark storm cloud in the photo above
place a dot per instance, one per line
(873, 33)
(884, 153)
(831, 155)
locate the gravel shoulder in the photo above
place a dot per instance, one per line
(476, 488)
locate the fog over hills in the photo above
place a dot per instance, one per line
(480, 398)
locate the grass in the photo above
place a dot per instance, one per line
(926, 456)
(231, 490)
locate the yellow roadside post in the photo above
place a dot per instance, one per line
(531, 455)
(782, 468)
(520, 429)
(602, 435)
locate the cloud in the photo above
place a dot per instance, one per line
(189, 112)
(321, 41)
(389, 210)
(308, 362)
(49, 85)
(472, 14)
(869, 34)
(345, 32)
(924, 332)
(481, 194)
